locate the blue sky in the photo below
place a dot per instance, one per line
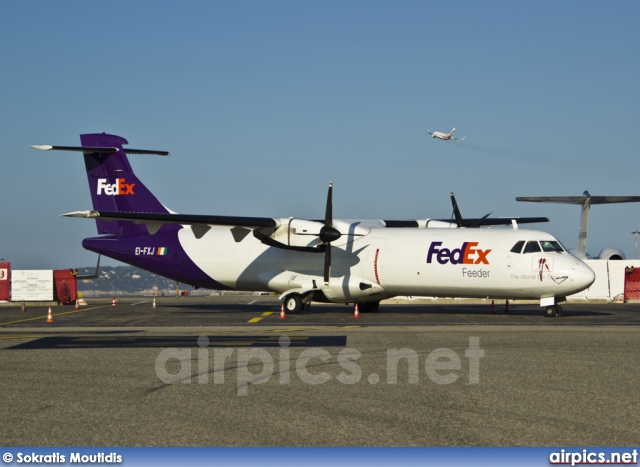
(263, 103)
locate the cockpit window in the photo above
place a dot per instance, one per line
(532, 247)
(548, 245)
(517, 248)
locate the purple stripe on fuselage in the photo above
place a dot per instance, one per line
(160, 253)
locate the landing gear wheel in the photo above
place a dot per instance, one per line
(293, 303)
(553, 311)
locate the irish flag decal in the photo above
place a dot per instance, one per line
(162, 250)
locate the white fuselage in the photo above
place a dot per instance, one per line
(383, 262)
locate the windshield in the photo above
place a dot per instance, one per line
(551, 245)
(531, 247)
(517, 248)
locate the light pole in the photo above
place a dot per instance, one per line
(636, 234)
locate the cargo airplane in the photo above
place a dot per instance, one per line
(445, 136)
(319, 260)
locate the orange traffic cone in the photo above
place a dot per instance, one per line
(113, 301)
(282, 315)
(493, 308)
(49, 316)
(77, 307)
(154, 302)
(356, 313)
(506, 306)
(23, 308)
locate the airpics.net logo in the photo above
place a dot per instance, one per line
(120, 187)
(255, 366)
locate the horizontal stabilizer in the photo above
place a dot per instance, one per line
(87, 149)
(99, 150)
(147, 151)
(580, 199)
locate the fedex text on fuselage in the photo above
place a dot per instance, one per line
(466, 254)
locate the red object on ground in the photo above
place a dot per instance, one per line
(631, 283)
(5, 281)
(65, 286)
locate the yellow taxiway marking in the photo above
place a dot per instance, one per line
(54, 314)
(266, 313)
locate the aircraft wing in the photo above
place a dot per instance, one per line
(467, 222)
(185, 219)
(155, 220)
(482, 222)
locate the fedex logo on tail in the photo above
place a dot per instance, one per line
(113, 189)
(466, 254)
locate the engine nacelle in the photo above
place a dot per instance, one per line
(351, 289)
(305, 233)
(341, 288)
(610, 253)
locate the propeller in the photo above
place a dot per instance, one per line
(479, 221)
(456, 211)
(328, 234)
(459, 220)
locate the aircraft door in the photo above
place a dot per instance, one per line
(370, 260)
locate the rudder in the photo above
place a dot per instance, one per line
(113, 185)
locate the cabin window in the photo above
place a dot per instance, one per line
(517, 248)
(532, 247)
(548, 245)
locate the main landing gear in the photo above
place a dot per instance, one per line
(553, 311)
(296, 303)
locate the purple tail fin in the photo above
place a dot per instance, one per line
(114, 187)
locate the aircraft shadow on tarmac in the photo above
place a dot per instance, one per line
(516, 310)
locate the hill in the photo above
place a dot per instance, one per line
(118, 280)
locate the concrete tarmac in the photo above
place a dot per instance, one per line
(220, 371)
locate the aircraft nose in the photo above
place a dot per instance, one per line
(582, 275)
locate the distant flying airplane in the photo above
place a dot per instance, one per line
(444, 136)
(318, 260)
